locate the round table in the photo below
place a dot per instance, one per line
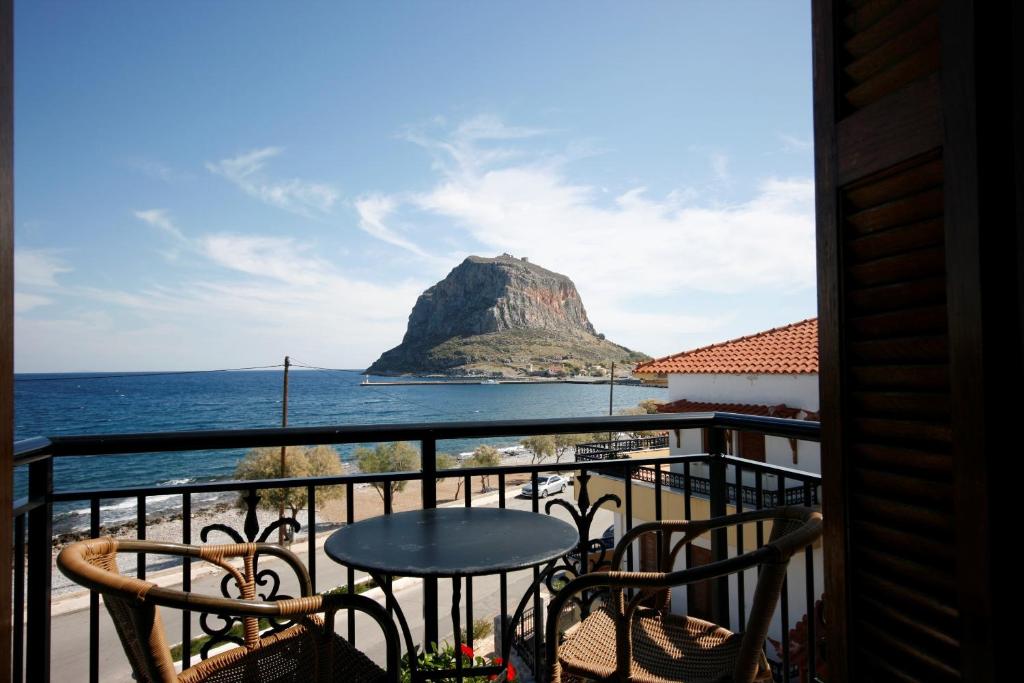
(453, 542)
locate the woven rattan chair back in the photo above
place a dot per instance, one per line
(137, 621)
(709, 649)
(307, 651)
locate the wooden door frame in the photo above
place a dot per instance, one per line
(6, 326)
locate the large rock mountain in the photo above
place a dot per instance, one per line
(501, 315)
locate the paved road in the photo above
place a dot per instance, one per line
(70, 631)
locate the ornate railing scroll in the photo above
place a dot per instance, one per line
(578, 562)
(268, 581)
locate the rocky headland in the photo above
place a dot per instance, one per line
(502, 316)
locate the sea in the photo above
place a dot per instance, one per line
(105, 403)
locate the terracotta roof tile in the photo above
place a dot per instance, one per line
(781, 410)
(789, 350)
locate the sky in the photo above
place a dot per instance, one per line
(215, 185)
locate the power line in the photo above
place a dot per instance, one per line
(299, 364)
(80, 378)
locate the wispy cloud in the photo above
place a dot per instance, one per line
(38, 267)
(25, 302)
(160, 218)
(373, 211)
(791, 143)
(258, 299)
(247, 171)
(507, 198)
(720, 167)
(157, 170)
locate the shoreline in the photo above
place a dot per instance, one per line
(330, 514)
(69, 531)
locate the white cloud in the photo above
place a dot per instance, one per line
(274, 258)
(38, 267)
(24, 302)
(158, 170)
(623, 252)
(159, 218)
(303, 197)
(792, 143)
(644, 262)
(373, 211)
(720, 166)
(255, 299)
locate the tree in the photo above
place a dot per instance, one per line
(566, 442)
(650, 405)
(539, 447)
(397, 456)
(447, 461)
(485, 456)
(300, 461)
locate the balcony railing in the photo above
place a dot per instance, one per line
(34, 514)
(618, 448)
(691, 484)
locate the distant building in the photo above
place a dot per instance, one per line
(772, 373)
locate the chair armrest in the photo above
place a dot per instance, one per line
(290, 608)
(649, 527)
(216, 553)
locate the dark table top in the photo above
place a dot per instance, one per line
(455, 541)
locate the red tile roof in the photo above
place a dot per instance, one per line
(781, 410)
(789, 350)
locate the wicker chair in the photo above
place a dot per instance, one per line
(628, 639)
(309, 650)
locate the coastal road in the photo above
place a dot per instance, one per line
(70, 631)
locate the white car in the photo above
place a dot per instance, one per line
(546, 484)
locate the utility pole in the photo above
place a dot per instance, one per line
(611, 390)
(284, 423)
(611, 397)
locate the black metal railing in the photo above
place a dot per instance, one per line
(617, 448)
(34, 514)
(701, 486)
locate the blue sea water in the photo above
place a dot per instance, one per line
(50, 405)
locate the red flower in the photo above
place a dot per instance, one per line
(467, 651)
(509, 670)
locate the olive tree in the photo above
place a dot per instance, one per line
(485, 456)
(566, 442)
(650, 405)
(299, 461)
(539, 447)
(447, 461)
(397, 456)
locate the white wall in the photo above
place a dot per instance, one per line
(796, 391)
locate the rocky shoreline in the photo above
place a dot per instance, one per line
(128, 527)
(329, 515)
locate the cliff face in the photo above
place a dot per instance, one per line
(483, 295)
(487, 313)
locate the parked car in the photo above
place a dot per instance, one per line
(546, 485)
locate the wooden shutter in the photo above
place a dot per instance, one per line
(751, 446)
(698, 595)
(902, 274)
